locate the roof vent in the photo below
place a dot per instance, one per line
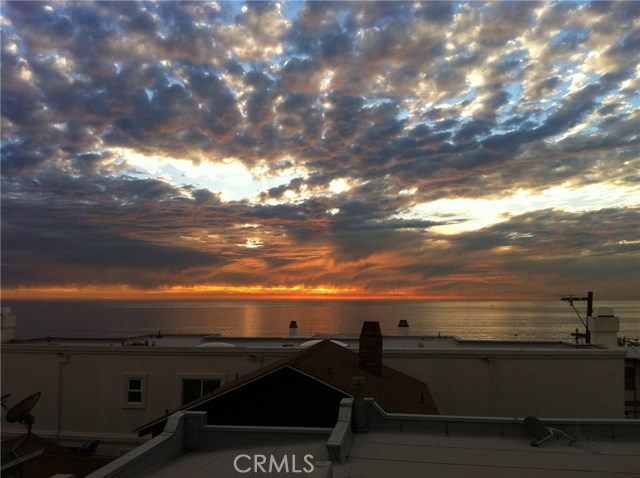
(403, 327)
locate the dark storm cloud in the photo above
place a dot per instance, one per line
(401, 103)
(45, 246)
(608, 231)
(360, 244)
(19, 160)
(548, 251)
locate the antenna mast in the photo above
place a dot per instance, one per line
(571, 299)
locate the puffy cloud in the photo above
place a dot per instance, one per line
(322, 125)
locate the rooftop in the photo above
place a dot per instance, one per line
(219, 342)
(334, 366)
(407, 446)
(383, 455)
(221, 462)
(41, 458)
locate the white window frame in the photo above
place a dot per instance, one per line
(126, 389)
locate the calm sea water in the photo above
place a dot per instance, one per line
(501, 320)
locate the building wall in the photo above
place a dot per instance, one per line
(519, 383)
(83, 387)
(632, 388)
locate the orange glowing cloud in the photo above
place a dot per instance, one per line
(201, 292)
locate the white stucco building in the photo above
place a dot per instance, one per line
(103, 389)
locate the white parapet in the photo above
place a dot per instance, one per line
(8, 324)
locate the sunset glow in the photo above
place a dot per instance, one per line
(340, 150)
(204, 292)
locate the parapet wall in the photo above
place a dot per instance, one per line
(600, 430)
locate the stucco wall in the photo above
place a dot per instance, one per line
(83, 387)
(518, 383)
(86, 383)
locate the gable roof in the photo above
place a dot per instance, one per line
(394, 391)
(335, 366)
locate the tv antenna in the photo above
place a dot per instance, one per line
(589, 298)
(21, 413)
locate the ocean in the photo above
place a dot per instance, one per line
(482, 320)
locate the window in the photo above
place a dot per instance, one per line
(134, 390)
(193, 388)
(629, 378)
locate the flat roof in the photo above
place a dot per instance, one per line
(407, 455)
(221, 462)
(380, 455)
(219, 342)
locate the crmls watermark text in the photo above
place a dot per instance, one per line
(271, 464)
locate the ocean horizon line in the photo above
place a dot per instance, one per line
(308, 299)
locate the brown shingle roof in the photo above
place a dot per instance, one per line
(394, 391)
(336, 366)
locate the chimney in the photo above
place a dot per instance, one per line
(604, 328)
(403, 327)
(370, 352)
(293, 328)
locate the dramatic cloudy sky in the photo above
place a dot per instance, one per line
(341, 149)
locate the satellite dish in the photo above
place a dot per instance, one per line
(21, 413)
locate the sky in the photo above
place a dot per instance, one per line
(203, 150)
